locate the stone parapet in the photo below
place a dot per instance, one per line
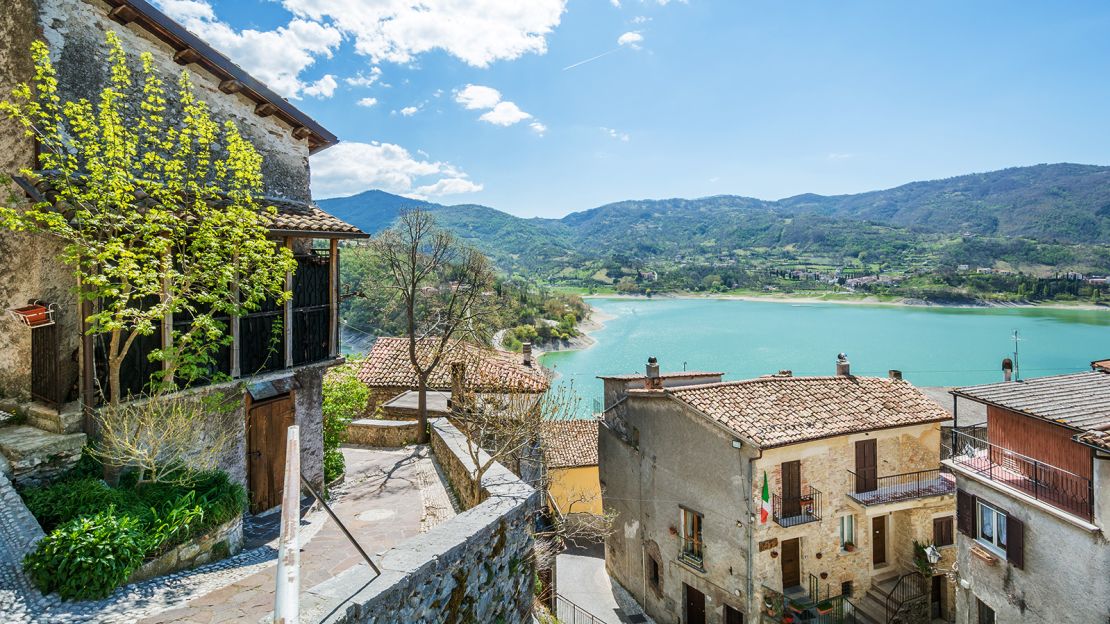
(383, 433)
(219, 543)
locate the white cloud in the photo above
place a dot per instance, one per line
(616, 3)
(504, 114)
(352, 167)
(631, 39)
(538, 128)
(616, 134)
(368, 102)
(478, 32)
(478, 97)
(365, 80)
(409, 111)
(322, 88)
(641, 19)
(840, 155)
(276, 57)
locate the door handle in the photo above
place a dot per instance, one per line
(257, 454)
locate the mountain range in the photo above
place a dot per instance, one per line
(1055, 215)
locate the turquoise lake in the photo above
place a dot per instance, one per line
(932, 346)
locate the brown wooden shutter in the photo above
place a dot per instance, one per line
(965, 513)
(1015, 542)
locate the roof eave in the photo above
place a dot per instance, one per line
(318, 234)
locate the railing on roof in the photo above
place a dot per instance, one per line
(791, 511)
(1044, 482)
(868, 489)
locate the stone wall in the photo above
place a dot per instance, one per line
(476, 567)
(219, 543)
(383, 433)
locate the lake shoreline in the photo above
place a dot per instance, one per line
(867, 301)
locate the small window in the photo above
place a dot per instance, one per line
(942, 531)
(691, 536)
(846, 588)
(654, 575)
(847, 531)
(986, 614)
(991, 530)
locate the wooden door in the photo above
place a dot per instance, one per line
(791, 564)
(46, 382)
(695, 606)
(791, 489)
(867, 466)
(267, 422)
(878, 540)
(733, 616)
(937, 599)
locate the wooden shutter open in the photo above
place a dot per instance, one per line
(1015, 542)
(965, 513)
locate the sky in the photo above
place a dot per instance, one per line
(545, 107)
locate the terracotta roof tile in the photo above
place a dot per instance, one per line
(675, 375)
(387, 365)
(570, 443)
(295, 217)
(1098, 439)
(777, 411)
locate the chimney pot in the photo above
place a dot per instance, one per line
(526, 351)
(895, 374)
(1007, 369)
(786, 373)
(843, 367)
(654, 382)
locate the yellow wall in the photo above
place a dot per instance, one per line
(576, 490)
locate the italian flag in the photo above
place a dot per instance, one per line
(765, 507)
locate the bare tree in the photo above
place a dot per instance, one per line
(444, 288)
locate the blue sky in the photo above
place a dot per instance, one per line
(766, 99)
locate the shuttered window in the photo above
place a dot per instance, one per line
(965, 513)
(942, 531)
(1015, 544)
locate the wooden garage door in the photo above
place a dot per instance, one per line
(267, 422)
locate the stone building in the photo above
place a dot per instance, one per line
(1033, 501)
(50, 372)
(853, 479)
(570, 459)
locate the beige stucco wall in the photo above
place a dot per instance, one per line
(575, 490)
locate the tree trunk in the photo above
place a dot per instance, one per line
(422, 407)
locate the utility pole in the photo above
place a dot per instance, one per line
(1017, 369)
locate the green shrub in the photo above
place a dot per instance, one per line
(345, 399)
(172, 524)
(86, 558)
(59, 503)
(333, 465)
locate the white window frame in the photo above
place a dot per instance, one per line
(850, 520)
(999, 521)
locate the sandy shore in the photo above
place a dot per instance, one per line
(850, 300)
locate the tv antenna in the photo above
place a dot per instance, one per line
(1017, 370)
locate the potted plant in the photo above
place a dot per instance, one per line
(824, 607)
(849, 547)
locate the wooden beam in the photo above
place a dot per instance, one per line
(186, 56)
(301, 132)
(265, 109)
(333, 298)
(123, 14)
(288, 316)
(231, 85)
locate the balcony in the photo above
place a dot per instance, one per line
(1044, 482)
(794, 510)
(869, 489)
(692, 552)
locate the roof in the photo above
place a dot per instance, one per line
(779, 410)
(968, 412)
(1097, 439)
(1102, 365)
(190, 49)
(387, 365)
(294, 218)
(1077, 400)
(678, 375)
(570, 443)
(409, 401)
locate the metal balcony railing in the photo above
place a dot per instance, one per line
(869, 489)
(1044, 482)
(793, 510)
(693, 551)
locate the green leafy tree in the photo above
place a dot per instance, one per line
(156, 205)
(345, 398)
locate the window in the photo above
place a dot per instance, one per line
(691, 536)
(991, 531)
(654, 575)
(942, 531)
(847, 531)
(986, 614)
(846, 588)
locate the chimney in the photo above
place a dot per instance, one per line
(1007, 369)
(895, 374)
(526, 351)
(785, 373)
(654, 381)
(843, 367)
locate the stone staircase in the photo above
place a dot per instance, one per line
(36, 442)
(871, 608)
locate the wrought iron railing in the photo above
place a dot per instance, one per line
(569, 613)
(693, 550)
(793, 510)
(777, 608)
(868, 489)
(911, 586)
(1044, 482)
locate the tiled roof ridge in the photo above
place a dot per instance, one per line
(777, 379)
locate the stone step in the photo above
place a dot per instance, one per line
(34, 456)
(68, 419)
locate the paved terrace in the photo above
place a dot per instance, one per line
(389, 495)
